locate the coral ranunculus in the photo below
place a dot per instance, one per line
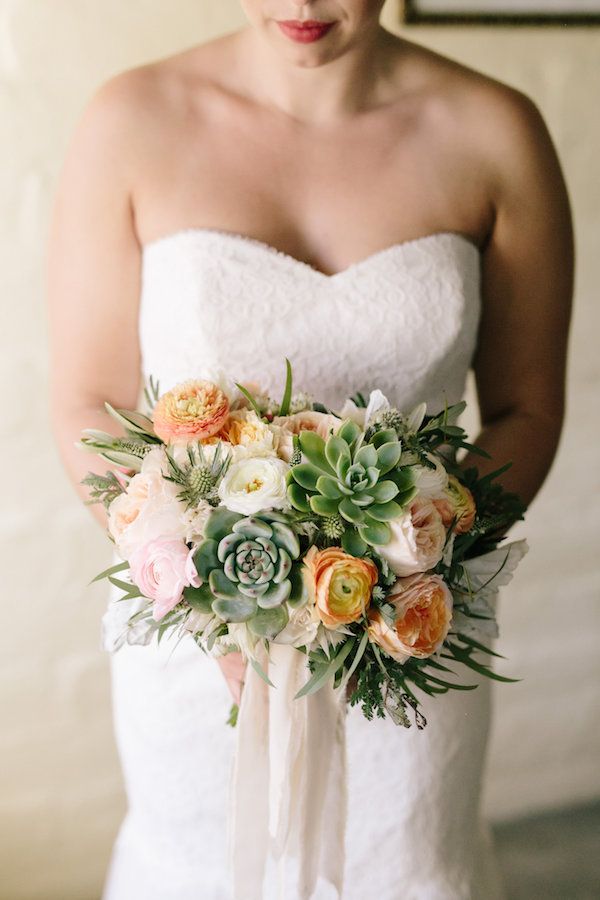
(456, 500)
(423, 605)
(192, 411)
(340, 585)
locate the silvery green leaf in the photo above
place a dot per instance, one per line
(484, 627)
(448, 550)
(416, 416)
(454, 411)
(102, 436)
(132, 420)
(122, 459)
(483, 575)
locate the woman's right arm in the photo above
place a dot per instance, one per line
(93, 286)
(93, 280)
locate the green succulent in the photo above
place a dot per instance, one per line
(247, 565)
(358, 481)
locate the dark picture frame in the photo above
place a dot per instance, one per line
(490, 12)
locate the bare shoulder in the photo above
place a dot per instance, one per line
(127, 108)
(502, 130)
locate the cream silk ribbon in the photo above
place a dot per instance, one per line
(287, 795)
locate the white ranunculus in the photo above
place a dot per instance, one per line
(430, 482)
(255, 483)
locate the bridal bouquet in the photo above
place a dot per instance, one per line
(351, 535)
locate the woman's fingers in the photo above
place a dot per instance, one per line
(351, 686)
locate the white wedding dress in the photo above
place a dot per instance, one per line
(404, 320)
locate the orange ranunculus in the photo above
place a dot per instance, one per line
(192, 411)
(456, 500)
(423, 605)
(340, 584)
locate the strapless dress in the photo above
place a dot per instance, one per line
(404, 320)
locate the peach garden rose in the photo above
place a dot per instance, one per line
(147, 509)
(418, 538)
(323, 424)
(340, 585)
(192, 411)
(423, 606)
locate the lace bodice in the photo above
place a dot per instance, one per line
(404, 319)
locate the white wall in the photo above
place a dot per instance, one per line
(60, 788)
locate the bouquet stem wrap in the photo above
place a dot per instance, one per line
(288, 795)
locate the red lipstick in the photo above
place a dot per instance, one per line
(304, 32)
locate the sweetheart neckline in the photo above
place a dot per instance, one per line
(275, 252)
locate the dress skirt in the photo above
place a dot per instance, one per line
(414, 828)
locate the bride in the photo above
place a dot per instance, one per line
(309, 186)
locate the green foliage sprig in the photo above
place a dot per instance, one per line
(103, 488)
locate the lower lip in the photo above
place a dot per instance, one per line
(305, 34)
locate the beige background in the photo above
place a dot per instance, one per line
(60, 791)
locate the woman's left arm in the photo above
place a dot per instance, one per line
(527, 284)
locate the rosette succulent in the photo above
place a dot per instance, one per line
(248, 568)
(355, 485)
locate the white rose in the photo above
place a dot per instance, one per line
(255, 483)
(418, 538)
(431, 482)
(301, 630)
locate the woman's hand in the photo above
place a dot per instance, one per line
(351, 686)
(233, 667)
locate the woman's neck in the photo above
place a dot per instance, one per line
(320, 94)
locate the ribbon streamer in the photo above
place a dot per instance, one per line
(287, 793)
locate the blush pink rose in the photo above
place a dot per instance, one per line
(161, 569)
